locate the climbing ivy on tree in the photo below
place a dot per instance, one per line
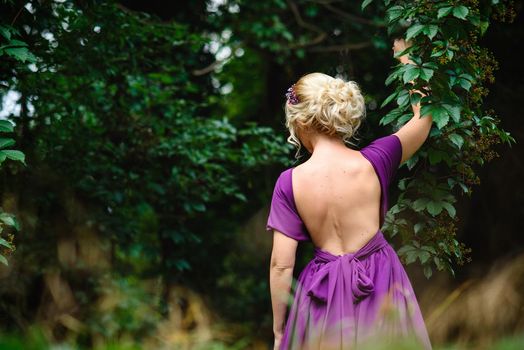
(447, 58)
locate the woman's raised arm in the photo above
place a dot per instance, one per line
(414, 133)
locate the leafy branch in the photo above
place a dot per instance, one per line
(19, 53)
(445, 55)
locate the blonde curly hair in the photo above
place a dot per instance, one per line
(326, 105)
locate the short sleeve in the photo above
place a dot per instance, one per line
(283, 215)
(386, 154)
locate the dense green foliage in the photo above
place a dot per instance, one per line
(448, 59)
(126, 141)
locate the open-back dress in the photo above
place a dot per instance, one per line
(341, 301)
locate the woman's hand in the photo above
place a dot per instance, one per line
(400, 45)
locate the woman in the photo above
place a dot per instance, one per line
(355, 288)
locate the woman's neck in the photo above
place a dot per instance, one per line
(326, 145)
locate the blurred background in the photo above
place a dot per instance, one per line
(142, 141)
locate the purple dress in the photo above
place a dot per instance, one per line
(341, 301)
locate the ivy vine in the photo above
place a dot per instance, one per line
(446, 56)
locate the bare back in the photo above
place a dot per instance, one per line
(338, 200)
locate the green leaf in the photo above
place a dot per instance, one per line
(6, 142)
(417, 227)
(404, 52)
(444, 11)
(453, 111)
(411, 73)
(420, 204)
(430, 249)
(201, 207)
(450, 208)
(467, 77)
(394, 13)
(465, 84)
(483, 27)
(6, 126)
(460, 11)
(414, 30)
(240, 196)
(457, 140)
(394, 75)
(13, 154)
(431, 30)
(389, 99)
(4, 31)
(434, 208)
(5, 243)
(437, 262)
(3, 260)
(414, 98)
(440, 117)
(404, 118)
(475, 20)
(365, 3)
(426, 109)
(428, 271)
(7, 219)
(20, 54)
(182, 264)
(411, 162)
(431, 65)
(411, 256)
(388, 118)
(424, 256)
(403, 98)
(404, 249)
(437, 53)
(426, 74)
(16, 43)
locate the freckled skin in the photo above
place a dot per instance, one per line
(337, 194)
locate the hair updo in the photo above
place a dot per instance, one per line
(326, 105)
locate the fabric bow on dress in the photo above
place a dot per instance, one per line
(354, 274)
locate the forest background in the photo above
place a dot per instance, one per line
(140, 143)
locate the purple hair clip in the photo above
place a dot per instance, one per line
(292, 96)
